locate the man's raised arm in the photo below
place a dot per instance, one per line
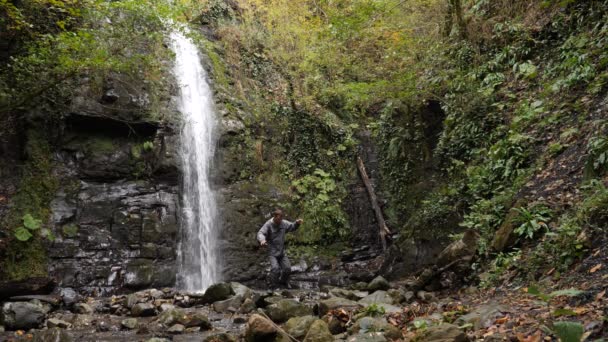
(262, 233)
(295, 225)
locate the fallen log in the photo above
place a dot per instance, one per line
(382, 228)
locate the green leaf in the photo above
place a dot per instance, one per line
(30, 222)
(569, 331)
(563, 312)
(48, 234)
(420, 324)
(23, 234)
(567, 292)
(70, 230)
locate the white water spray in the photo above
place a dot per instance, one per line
(197, 251)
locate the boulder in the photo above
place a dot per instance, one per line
(247, 306)
(298, 326)
(483, 316)
(241, 290)
(443, 333)
(69, 296)
(217, 292)
(83, 308)
(170, 317)
(129, 323)
(377, 297)
(318, 332)
(194, 319)
(57, 323)
(378, 283)
(337, 303)
(370, 324)
(398, 295)
(176, 329)
(260, 329)
(231, 304)
(23, 315)
(352, 295)
(286, 309)
(143, 310)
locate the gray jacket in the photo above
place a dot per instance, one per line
(275, 235)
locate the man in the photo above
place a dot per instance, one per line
(272, 234)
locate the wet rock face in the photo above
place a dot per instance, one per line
(115, 215)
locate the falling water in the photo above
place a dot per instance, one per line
(197, 252)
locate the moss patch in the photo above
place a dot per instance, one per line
(36, 190)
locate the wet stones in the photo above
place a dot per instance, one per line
(260, 329)
(23, 315)
(217, 292)
(378, 283)
(286, 309)
(143, 310)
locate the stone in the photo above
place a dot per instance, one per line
(57, 323)
(378, 283)
(298, 326)
(170, 317)
(231, 304)
(398, 295)
(51, 335)
(371, 324)
(241, 290)
(176, 329)
(131, 300)
(377, 297)
(23, 315)
(247, 306)
(337, 303)
(129, 323)
(166, 306)
(69, 296)
(83, 321)
(286, 309)
(83, 308)
(483, 316)
(318, 332)
(217, 292)
(425, 296)
(158, 339)
(443, 333)
(194, 319)
(143, 310)
(260, 329)
(352, 295)
(409, 296)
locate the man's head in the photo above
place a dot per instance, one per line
(277, 216)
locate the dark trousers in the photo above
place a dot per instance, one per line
(280, 268)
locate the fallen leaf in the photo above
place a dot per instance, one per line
(580, 310)
(502, 320)
(595, 268)
(600, 295)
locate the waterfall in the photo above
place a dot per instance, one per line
(197, 251)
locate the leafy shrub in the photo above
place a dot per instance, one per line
(598, 155)
(531, 221)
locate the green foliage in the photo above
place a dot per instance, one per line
(70, 231)
(148, 146)
(569, 331)
(373, 310)
(535, 291)
(29, 224)
(320, 202)
(531, 221)
(598, 155)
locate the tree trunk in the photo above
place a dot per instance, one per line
(382, 228)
